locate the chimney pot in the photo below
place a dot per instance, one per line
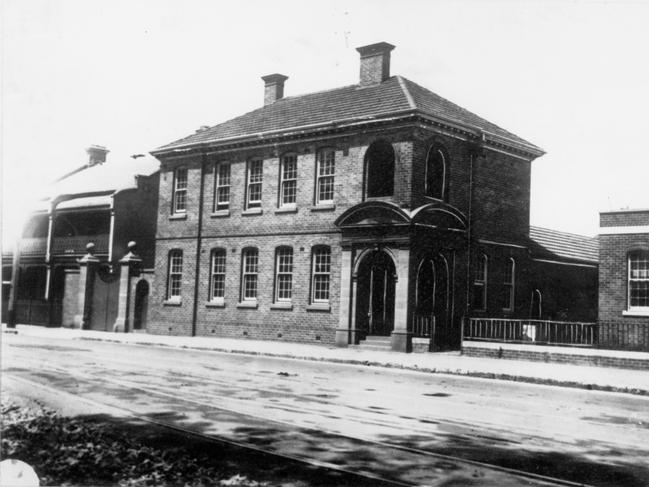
(96, 154)
(273, 87)
(375, 63)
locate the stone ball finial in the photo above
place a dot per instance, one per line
(131, 246)
(90, 247)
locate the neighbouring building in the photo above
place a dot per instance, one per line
(378, 211)
(624, 279)
(61, 279)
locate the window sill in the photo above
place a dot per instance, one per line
(178, 216)
(252, 211)
(326, 307)
(636, 312)
(324, 207)
(172, 302)
(285, 305)
(217, 303)
(248, 304)
(220, 213)
(286, 209)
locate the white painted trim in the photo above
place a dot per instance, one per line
(623, 230)
(594, 266)
(636, 312)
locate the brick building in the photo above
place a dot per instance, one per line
(373, 210)
(106, 204)
(624, 279)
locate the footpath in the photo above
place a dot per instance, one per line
(633, 381)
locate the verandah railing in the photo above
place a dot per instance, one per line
(540, 332)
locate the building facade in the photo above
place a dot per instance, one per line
(373, 210)
(61, 280)
(624, 279)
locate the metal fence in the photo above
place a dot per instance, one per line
(532, 332)
(627, 335)
(423, 326)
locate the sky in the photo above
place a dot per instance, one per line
(569, 76)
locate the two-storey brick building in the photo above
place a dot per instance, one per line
(378, 209)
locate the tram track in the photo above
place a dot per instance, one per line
(205, 403)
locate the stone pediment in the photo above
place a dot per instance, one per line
(382, 214)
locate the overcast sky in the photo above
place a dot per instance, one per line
(571, 77)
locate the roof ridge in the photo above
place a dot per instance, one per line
(406, 92)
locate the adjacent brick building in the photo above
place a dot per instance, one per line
(624, 279)
(376, 209)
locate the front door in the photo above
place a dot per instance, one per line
(375, 294)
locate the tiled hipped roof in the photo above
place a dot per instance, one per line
(552, 244)
(348, 104)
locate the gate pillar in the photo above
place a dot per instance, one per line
(87, 270)
(130, 267)
(401, 338)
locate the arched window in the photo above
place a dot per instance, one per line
(509, 282)
(217, 281)
(480, 283)
(638, 277)
(436, 169)
(379, 170)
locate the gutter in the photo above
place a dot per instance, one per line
(468, 129)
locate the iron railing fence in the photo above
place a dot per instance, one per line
(542, 332)
(423, 326)
(624, 335)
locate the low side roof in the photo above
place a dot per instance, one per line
(546, 243)
(396, 95)
(111, 176)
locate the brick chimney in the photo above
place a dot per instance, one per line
(273, 88)
(375, 63)
(96, 154)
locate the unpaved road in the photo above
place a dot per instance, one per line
(405, 426)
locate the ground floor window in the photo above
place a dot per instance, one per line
(639, 280)
(250, 274)
(175, 277)
(217, 283)
(284, 274)
(509, 273)
(321, 274)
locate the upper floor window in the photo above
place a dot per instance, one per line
(284, 274)
(249, 274)
(175, 274)
(217, 282)
(180, 190)
(222, 186)
(325, 173)
(379, 170)
(255, 178)
(288, 180)
(480, 283)
(435, 178)
(639, 280)
(321, 275)
(509, 275)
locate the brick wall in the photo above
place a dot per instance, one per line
(624, 218)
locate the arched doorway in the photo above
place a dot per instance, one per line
(379, 170)
(431, 317)
(376, 281)
(141, 305)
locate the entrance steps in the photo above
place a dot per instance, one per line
(376, 343)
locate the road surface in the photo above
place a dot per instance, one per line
(409, 427)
